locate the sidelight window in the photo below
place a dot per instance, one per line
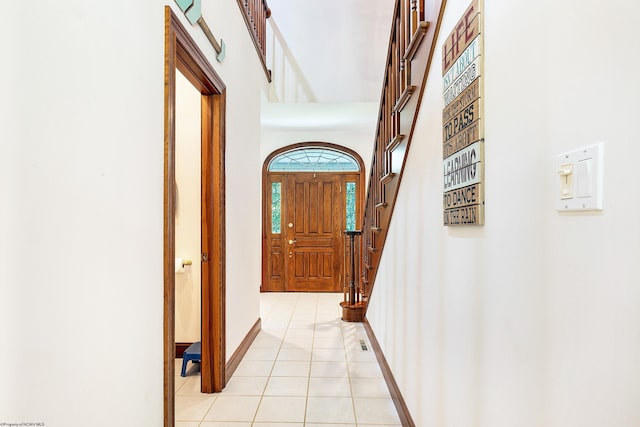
(350, 220)
(276, 207)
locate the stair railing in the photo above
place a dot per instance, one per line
(256, 13)
(411, 46)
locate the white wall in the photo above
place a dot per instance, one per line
(343, 58)
(359, 138)
(311, 99)
(533, 319)
(244, 77)
(188, 211)
(81, 267)
(82, 288)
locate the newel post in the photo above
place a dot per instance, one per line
(352, 305)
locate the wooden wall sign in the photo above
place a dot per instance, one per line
(462, 121)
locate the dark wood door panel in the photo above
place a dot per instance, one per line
(313, 271)
(311, 242)
(313, 203)
(315, 235)
(314, 264)
(276, 266)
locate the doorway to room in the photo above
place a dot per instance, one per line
(182, 55)
(188, 215)
(312, 192)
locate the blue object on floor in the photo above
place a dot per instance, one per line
(191, 353)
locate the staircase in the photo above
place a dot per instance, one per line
(411, 45)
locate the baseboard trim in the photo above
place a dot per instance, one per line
(237, 355)
(394, 390)
(181, 347)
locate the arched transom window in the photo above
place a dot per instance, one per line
(313, 159)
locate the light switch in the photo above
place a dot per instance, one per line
(580, 173)
(566, 181)
(583, 178)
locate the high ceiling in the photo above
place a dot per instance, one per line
(340, 46)
(327, 60)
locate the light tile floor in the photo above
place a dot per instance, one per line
(306, 368)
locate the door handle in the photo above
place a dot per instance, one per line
(291, 242)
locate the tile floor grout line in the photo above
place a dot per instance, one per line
(297, 310)
(286, 330)
(313, 338)
(353, 402)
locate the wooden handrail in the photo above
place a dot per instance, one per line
(411, 46)
(256, 13)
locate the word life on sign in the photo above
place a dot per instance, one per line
(462, 121)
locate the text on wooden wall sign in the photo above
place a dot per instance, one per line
(463, 121)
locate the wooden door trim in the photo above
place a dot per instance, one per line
(182, 53)
(266, 190)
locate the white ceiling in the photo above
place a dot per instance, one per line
(329, 63)
(339, 45)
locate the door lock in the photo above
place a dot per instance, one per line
(205, 257)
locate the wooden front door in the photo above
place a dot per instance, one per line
(312, 232)
(304, 245)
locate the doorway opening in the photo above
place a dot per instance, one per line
(183, 55)
(312, 193)
(188, 215)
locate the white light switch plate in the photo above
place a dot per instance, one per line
(584, 183)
